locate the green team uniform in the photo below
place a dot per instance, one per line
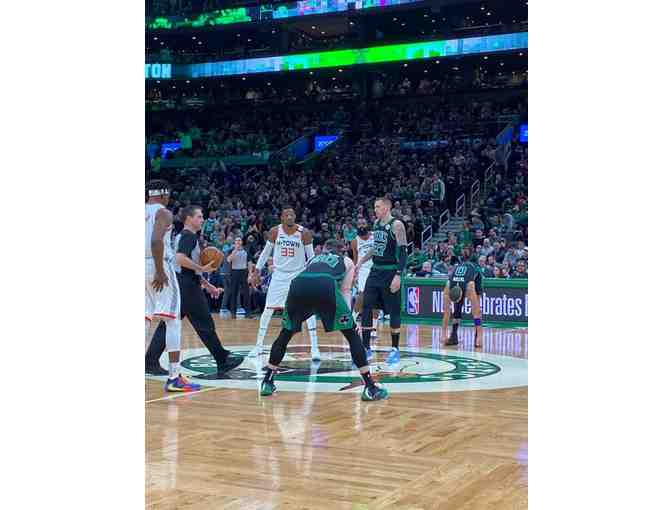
(467, 272)
(464, 273)
(377, 292)
(316, 290)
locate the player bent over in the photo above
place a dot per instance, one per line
(466, 281)
(322, 288)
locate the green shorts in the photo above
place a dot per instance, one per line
(316, 295)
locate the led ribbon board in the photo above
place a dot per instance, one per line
(343, 58)
(268, 13)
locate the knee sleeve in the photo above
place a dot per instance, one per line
(280, 347)
(311, 322)
(356, 347)
(173, 334)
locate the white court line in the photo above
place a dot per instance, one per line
(183, 394)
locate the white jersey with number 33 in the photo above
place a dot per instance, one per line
(289, 253)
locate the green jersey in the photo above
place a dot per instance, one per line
(326, 264)
(385, 247)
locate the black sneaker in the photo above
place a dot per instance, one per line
(452, 340)
(229, 363)
(155, 370)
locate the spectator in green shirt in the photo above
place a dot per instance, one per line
(209, 226)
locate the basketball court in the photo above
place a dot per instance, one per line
(453, 434)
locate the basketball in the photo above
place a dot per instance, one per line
(211, 254)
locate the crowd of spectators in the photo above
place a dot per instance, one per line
(302, 90)
(245, 203)
(495, 235)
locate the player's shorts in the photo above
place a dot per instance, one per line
(164, 304)
(377, 294)
(478, 284)
(278, 289)
(362, 276)
(319, 295)
(459, 306)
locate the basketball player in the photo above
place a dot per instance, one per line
(291, 245)
(466, 281)
(323, 287)
(360, 246)
(193, 302)
(382, 286)
(162, 293)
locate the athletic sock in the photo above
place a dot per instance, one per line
(174, 370)
(395, 340)
(455, 326)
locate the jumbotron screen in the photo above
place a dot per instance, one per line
(268, 12)
(344, 58)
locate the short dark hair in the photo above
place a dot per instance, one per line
(285, 207)
(189, 211)
(332, 246)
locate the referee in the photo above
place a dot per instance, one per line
(193, 304)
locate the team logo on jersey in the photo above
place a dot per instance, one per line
(413, 300)
(419, 370)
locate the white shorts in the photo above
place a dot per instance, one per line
(362, 276)
(279, 288)
(164, 304)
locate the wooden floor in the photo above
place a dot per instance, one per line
(228, 449)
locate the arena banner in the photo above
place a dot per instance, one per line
(503, 303)
(345, 58)
(267, 12)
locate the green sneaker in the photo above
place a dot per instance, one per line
(374, 393)
(267, 389)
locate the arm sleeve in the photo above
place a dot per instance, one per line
(310, 252)
(187, 243)
(403, 256)
(264, 255)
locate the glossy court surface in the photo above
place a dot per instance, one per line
(453, 434)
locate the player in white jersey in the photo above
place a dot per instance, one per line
(162, 293)
(361, 246)
(292, 247)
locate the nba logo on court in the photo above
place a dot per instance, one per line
(413, 301)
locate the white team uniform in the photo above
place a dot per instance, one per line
(364, 246)
(167, 302)
(289, 259)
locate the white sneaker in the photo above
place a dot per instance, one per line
(256, 351)
(315, 355)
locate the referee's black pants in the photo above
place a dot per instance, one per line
(194, 305)
(239, 285)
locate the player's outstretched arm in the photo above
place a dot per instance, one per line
(346, 284)
(307, 238)
(163, 221)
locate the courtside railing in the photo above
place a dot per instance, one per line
(460, 205)
(474, 194)
(426, 236)
(444, 218)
